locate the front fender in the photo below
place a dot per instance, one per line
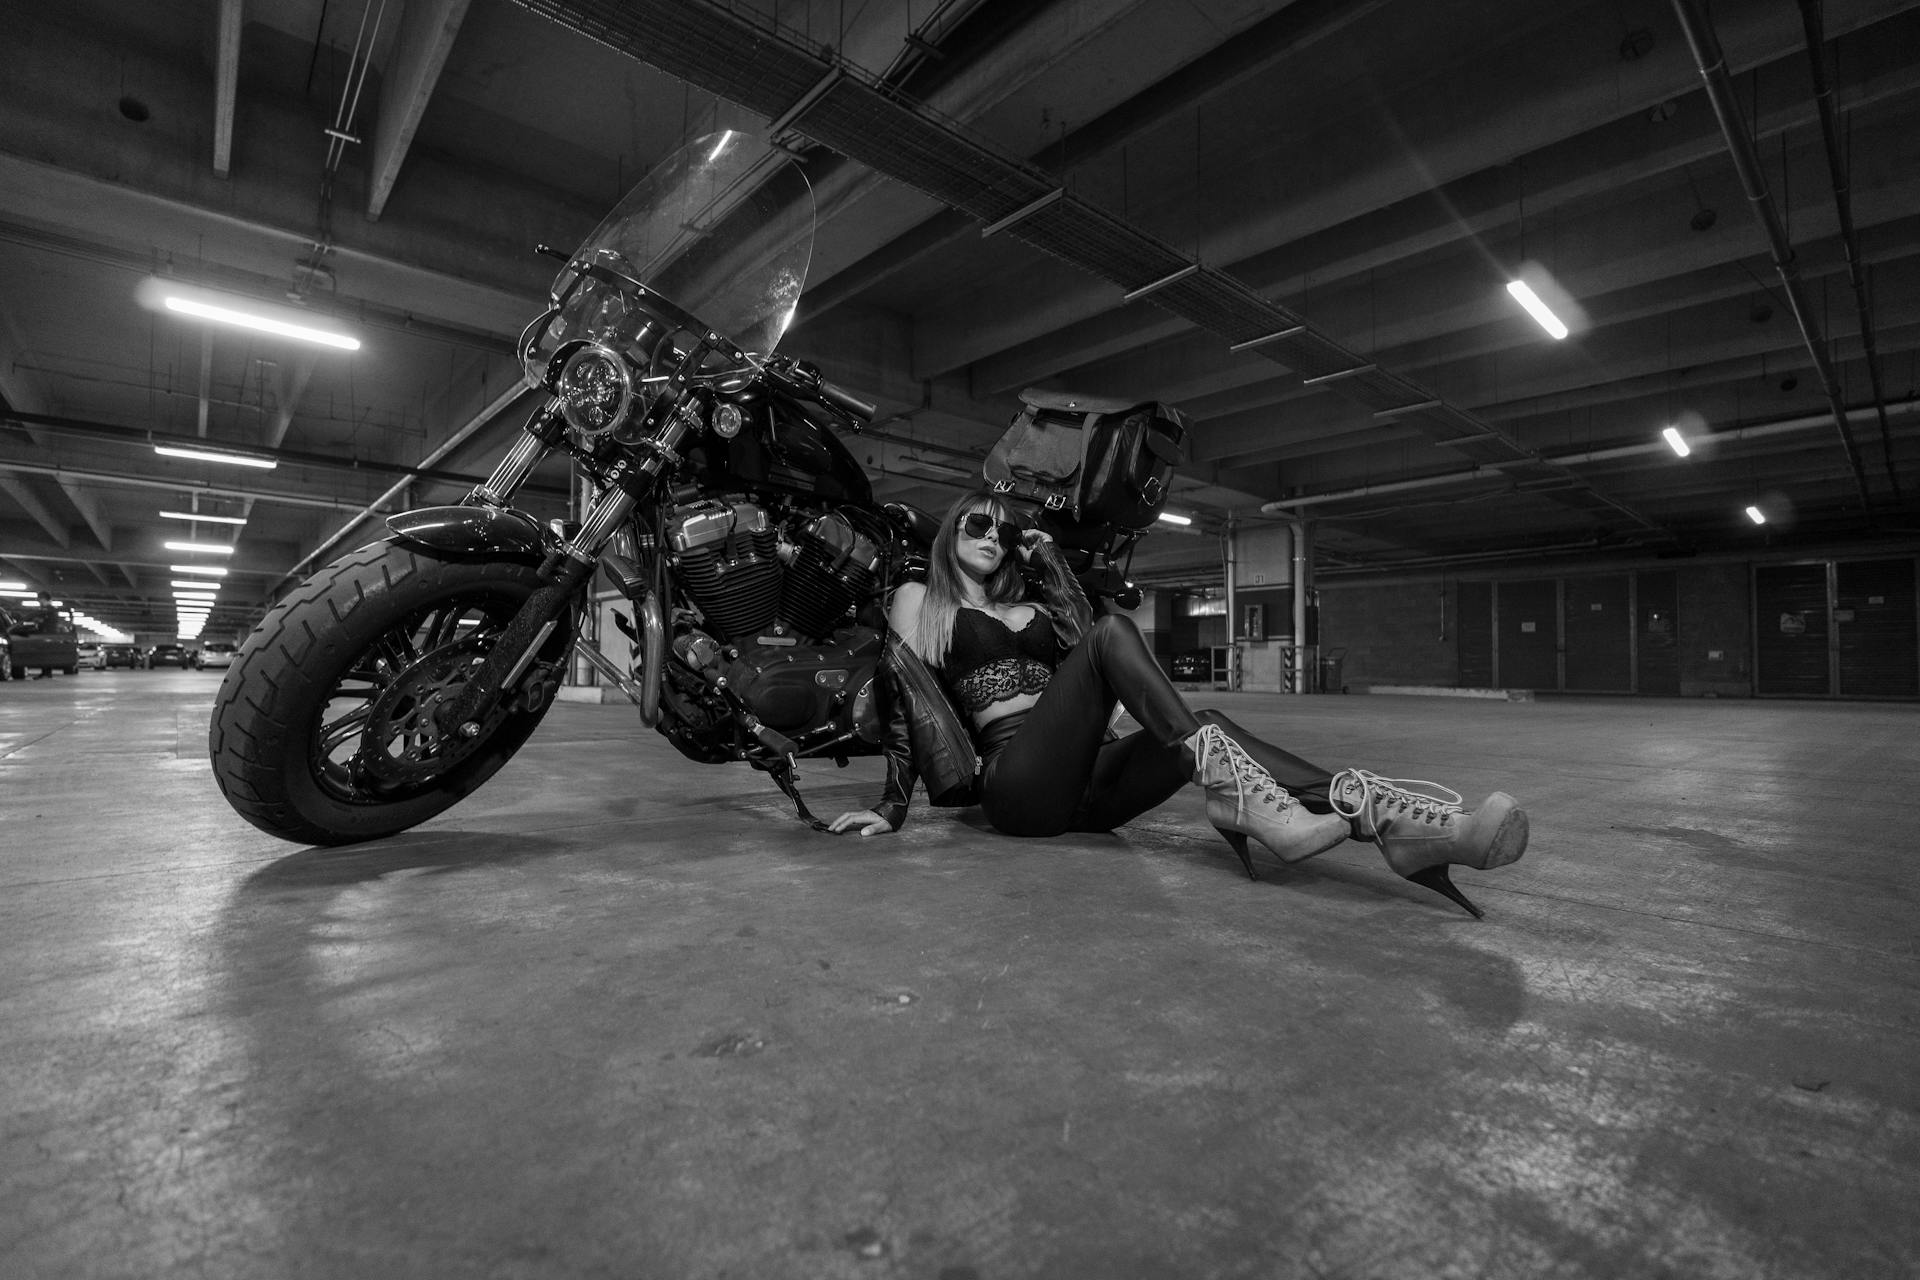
(469, 531)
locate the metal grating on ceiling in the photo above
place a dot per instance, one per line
(741, 57)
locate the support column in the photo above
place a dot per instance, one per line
(1305, 656)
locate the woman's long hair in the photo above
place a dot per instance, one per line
(933, 632)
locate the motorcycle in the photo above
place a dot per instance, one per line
(725, 509)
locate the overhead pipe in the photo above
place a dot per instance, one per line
(58, 424)
(1712, 63)
(1843, 209)
(1785, 426)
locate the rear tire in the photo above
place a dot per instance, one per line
(323, 731)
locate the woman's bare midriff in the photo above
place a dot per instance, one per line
(1004, 708)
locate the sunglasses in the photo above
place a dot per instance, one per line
(979, 524)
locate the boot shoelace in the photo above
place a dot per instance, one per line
(1393, 793)
(1215, 743)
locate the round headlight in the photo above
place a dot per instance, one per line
(726, 421)
(595, 390)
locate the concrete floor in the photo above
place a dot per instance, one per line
(619, 1015)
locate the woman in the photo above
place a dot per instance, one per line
(1039, 682)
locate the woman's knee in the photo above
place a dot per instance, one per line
(1115, 631)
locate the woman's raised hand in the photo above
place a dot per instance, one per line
(869, 823)
(1031, 541)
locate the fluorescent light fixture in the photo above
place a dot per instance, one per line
(211, 570)
(1677, 441)
(181, 299)
(1523, 294)
(1171, 518)
(195, 597)
(191, 585)
(207, 519)
(13, 586)
(208, 455)
(1756, 515)
(209, 548)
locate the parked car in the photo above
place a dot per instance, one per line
(217, 653)
(121, 655)
(42, 638)
(6, 649)
(169, 655)
(89, 652)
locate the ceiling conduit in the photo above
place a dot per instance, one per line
(745, 59)
(1843, 208)
(1712, 63)
(1703, 443)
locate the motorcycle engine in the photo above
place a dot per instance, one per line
(747, 585)
(726, 558)
(777, 626)
(834, 566)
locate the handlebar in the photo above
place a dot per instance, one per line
(802, 378)
(846, 401)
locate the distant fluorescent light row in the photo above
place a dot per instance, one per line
(1680, 446)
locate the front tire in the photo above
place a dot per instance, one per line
(323, 731)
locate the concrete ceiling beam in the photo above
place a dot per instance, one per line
(1358, 166)
(88, 505)
(226, 83)
(1607, 251)
(859, 208)
(1215, 385)
(73, 167)
(427, 32)
(39, 512)
(1296, 27)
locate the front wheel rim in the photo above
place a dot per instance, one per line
(375, 740)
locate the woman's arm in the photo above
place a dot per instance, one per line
(891, 812)
(1059, 588)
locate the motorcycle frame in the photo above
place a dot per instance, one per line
(633, 474)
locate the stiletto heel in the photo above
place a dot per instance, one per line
(1243, 800)
(1237, 840)
(1437, 879)
(1421, 834)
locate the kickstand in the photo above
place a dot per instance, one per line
(783, 777)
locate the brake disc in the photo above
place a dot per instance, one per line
(402, 743)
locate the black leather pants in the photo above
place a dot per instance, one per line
(1050, 769)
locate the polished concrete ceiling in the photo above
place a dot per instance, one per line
(1371, 172)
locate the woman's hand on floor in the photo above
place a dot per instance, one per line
(869, 823)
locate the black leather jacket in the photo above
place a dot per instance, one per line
(925, 737)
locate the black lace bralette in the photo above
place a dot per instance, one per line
(989, 662)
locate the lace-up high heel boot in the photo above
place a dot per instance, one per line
(1421, 835)
(1243, 800)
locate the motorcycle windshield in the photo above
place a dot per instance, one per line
(722, 229)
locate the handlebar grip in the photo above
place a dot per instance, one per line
(846, 400)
